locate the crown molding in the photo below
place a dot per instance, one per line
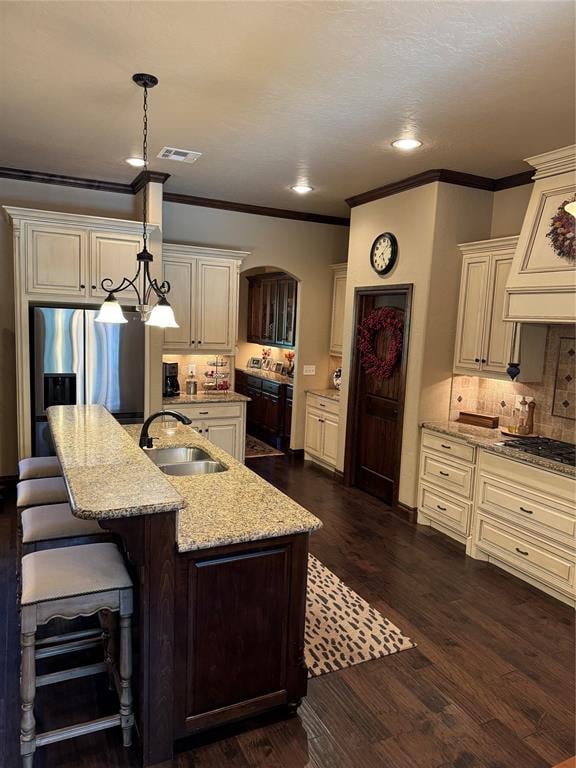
(188, 251)
(32, 215)
(516, 180)
(145, 177)
(257, 210)
(494, 245)
(148, 177)
(443, 175)
(19, 174)
(555, 162)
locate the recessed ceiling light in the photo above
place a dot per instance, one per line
(406, 144)
(302, 189)
(136, 162)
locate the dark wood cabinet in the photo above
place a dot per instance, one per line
(269, 412)
(240, 615)
(287, 426)
(272, 309)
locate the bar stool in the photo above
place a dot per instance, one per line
(39, 466)
(53, 525)
(68, 583)
(39, 491)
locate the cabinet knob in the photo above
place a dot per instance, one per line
(483, 360)
(192, 342)
(82, 285)
(476, 359)
(93, 287)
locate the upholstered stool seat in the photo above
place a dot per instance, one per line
(39, 466)
(40, 491)
(67, 583)
(50, 522)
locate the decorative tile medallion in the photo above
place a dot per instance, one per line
(564, 389)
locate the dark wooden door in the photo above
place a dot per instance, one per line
(376, 406)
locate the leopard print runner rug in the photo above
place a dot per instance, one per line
(341, 627)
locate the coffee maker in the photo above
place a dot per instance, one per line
(170, 386)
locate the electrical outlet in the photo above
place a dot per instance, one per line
(519, 399)
(309, 370)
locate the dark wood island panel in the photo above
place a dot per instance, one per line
(239, 617)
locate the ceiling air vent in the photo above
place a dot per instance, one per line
(180, 155)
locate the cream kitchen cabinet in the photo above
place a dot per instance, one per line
(113, 256)
(72, 262)
(204, 296)
(445, 488)
(224, 424)
(56, 260)
(338, 300)
(485, 343)
(321, 430)
(524, 521)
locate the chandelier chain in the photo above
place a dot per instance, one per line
(145, 158)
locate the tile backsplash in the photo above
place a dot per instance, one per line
(554, 396)
(200, 361)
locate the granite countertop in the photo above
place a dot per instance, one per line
(331, 394)
(106, 473)
(227, 507)
(491, 440)
(260, 374)
(205, 397)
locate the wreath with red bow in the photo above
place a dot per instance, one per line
(384, 318)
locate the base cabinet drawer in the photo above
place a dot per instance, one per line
(553, 566)
(447, 510)
(211, 410)
(447, 446)
(544, 515)
(449, 475)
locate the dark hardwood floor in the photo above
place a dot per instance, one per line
(491, 683)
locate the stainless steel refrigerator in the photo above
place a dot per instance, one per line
(77, 361)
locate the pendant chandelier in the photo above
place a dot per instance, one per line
(146, 288)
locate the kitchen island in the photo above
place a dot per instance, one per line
(219, 564)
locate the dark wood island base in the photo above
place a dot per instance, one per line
(220, 630)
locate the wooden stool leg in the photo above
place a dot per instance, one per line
(126, 709)
(28, 692)
(108, 624)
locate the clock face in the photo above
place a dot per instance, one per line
(383, 253)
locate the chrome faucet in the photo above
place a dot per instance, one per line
(145, 440)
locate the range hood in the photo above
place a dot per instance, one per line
(541, 287)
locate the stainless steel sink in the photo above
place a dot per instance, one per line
(193, 468)
(163, 456)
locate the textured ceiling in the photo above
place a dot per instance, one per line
(274, 92)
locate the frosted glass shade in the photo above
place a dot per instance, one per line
(162, 316)
(571, 207)
(110, 311)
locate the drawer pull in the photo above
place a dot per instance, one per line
(442, 509)
(448, 447)
(203, 413)
(528, 511)
(521, 552)
(322, 405)
(445, 474)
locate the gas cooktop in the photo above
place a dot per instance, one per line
(555, 450)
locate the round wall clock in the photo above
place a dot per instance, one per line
(384, 253)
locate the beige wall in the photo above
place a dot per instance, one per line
(52, 198)
(303, 249)
(508, 209)
(429, 222)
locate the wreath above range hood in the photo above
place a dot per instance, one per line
(541, 287)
